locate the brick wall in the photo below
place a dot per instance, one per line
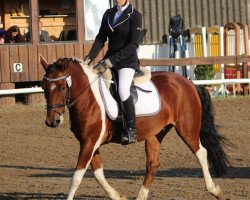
(230, 73)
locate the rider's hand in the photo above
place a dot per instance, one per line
(102, 66)
(86, 61)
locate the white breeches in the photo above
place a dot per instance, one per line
(126, 76)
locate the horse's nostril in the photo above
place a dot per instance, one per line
(47, 123)
(57, 122)
(54, 124)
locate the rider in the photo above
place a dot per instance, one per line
(122, 26)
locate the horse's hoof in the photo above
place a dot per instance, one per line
(221, 196)
(219, 193)
(216, 191)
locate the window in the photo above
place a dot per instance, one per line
(14, 21)
(57, 20)
(93, 12)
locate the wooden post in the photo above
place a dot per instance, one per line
(244, 27)
(2, 14)
(222, 66)
(236, 28)
(34, 22)
(80, 21)
(7, 100)
(6, 17)
(245, 75)
(36, 99)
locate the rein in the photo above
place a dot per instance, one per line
(89, 85)
(69, 83)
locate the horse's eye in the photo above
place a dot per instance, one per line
(62, 88)
(43, 85)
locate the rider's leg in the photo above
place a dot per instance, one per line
(125, 79)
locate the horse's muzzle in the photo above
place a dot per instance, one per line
(54, 121)
(53, 124)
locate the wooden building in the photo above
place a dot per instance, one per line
(72, 28)
(19, 62)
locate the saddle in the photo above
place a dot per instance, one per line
(133, 89)
(146, 97)
(145, 94)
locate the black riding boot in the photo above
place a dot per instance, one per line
(129, 117)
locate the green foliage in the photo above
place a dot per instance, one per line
(204, 72)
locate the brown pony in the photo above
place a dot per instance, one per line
(184, 106)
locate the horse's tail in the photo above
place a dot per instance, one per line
(210, 138)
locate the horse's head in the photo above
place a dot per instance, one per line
(56, 85)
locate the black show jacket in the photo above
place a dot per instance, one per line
(123, 37)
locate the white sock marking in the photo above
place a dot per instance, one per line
(143, 194)
(99, 175)
(201, 154)
(75, 182)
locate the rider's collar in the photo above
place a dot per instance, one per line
(122, 8)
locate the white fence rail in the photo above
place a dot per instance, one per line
(21, 91)
(223, 85)
(223, 82)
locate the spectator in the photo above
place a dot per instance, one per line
(1, 32)
(12, 35)
(43, 35)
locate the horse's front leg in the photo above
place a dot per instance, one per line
(85, 156)
(152, 147)
(97, 168)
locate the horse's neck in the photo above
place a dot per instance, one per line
(85, 85)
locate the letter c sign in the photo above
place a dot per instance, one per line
(18, 67)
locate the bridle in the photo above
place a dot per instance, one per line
(52, 107)
(67, 99)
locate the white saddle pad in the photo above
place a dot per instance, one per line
(147, 104)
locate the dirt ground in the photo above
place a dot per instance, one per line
(37, 162)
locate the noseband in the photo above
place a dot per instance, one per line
(54, 106)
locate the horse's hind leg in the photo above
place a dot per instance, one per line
(201, 155)
(97, 168)
(190, 135)
(152, 147)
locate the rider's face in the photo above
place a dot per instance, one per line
(120, 2)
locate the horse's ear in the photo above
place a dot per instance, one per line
(43, 62)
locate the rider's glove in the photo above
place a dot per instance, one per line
(102, 66)
(87, 60)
